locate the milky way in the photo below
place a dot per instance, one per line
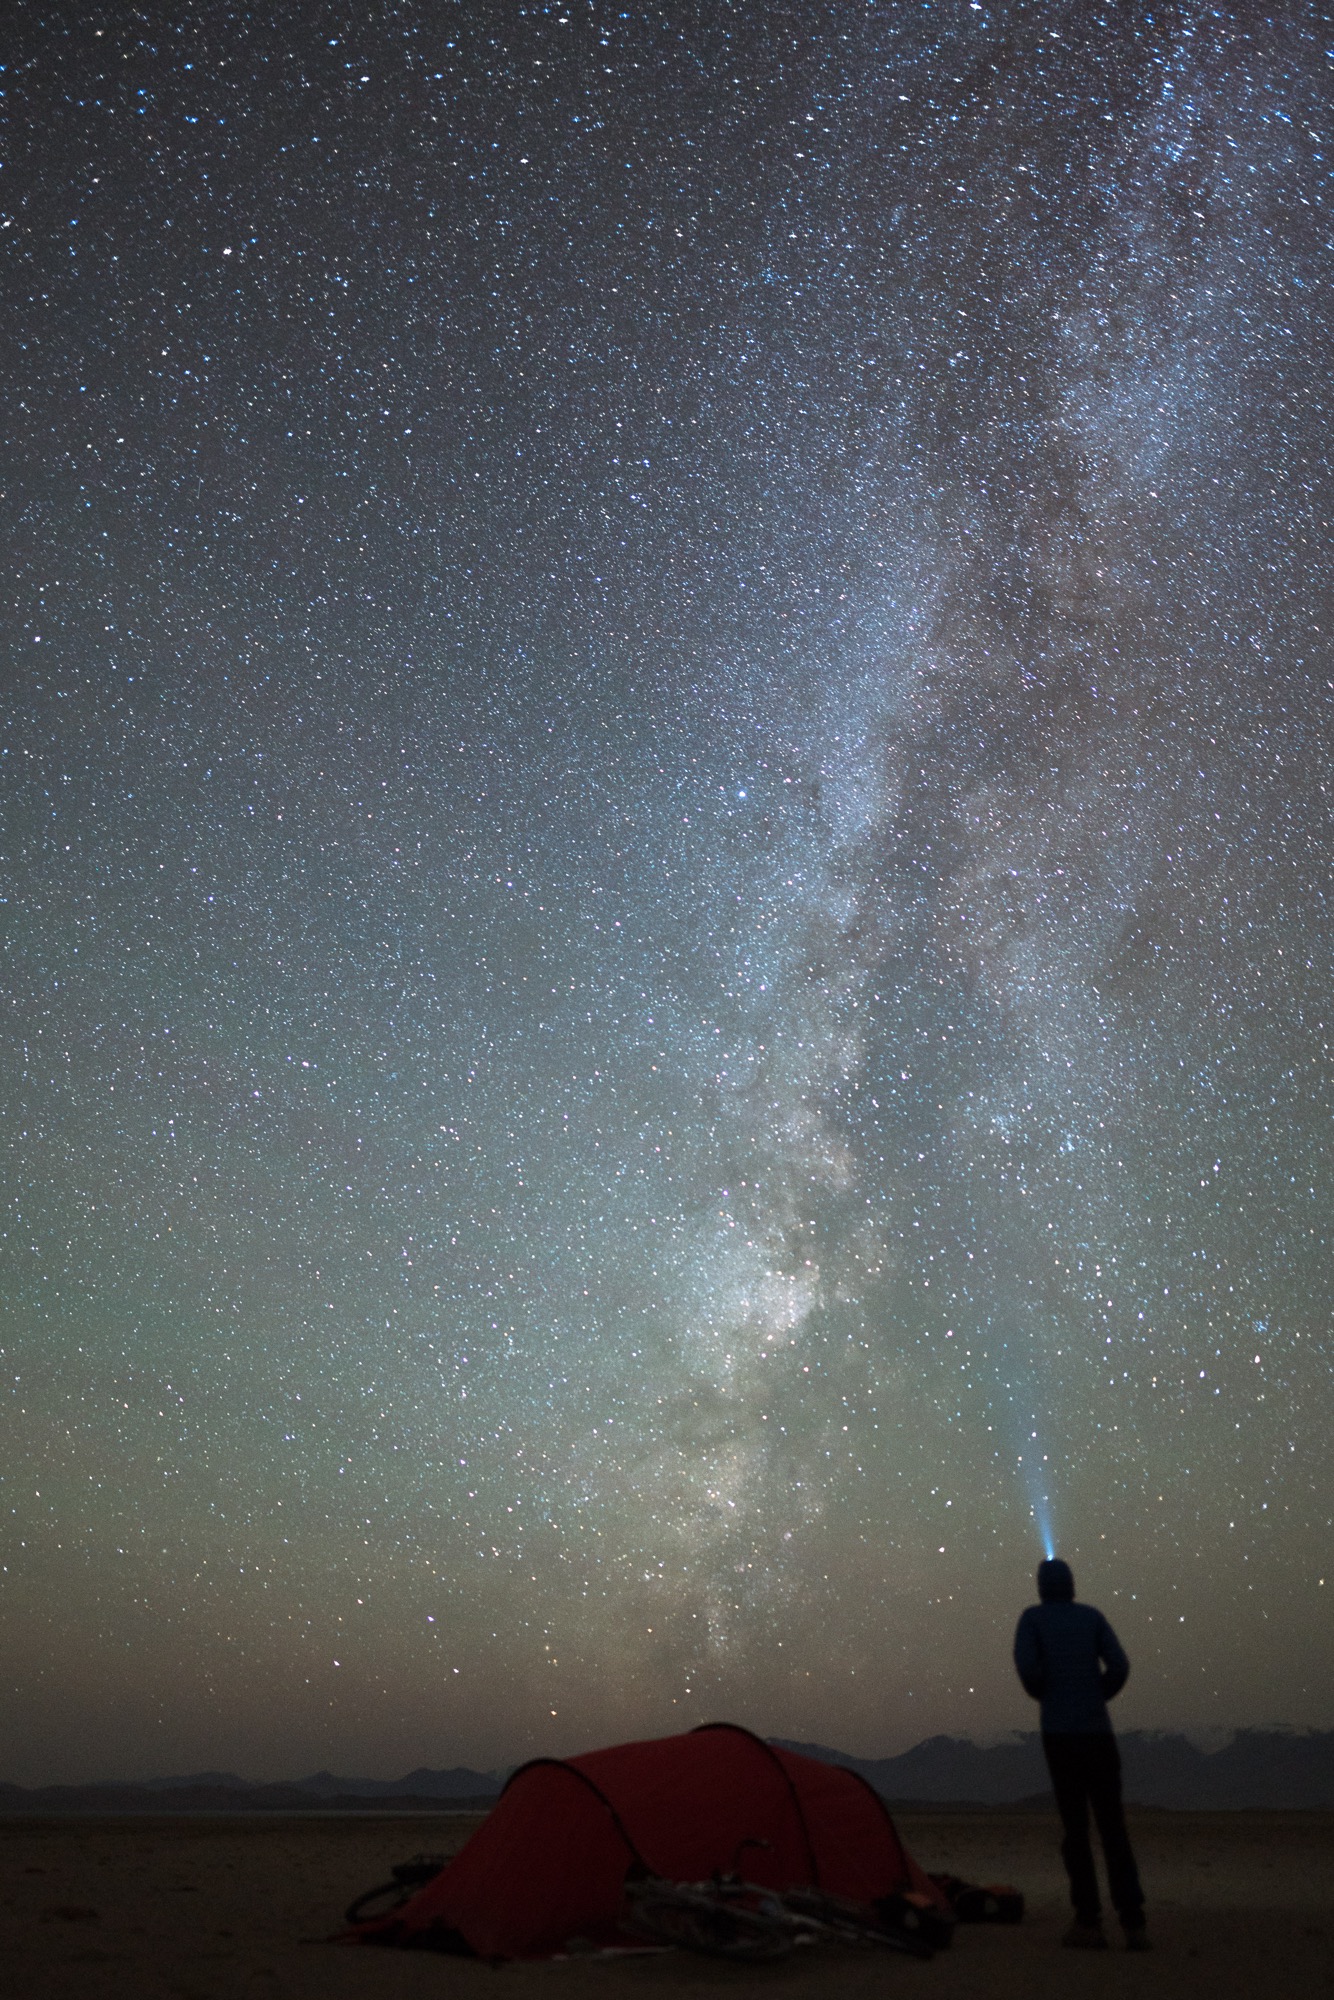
(668, 824)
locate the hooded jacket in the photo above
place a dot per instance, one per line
(1070, 1660)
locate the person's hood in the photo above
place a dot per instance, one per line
(1056, 1581)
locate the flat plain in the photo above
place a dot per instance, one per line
(215, 1909)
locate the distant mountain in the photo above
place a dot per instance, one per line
(223, 1791)
(1274, 1768)
(457, 1783)
(226, 1781)
(948, 1769)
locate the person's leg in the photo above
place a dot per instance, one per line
(1104, 1791)
(1067, 1763)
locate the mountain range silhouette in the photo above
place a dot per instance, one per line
(1256, 1768)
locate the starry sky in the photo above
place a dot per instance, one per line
(667, 829)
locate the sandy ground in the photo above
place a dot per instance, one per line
(190, 1909)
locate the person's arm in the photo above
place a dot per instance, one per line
(1028, 1657)
(1115, 1665)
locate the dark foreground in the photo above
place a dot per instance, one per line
(190, 1909)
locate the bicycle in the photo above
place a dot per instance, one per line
(728, 1917)
(409, 1877)
(723, 1918)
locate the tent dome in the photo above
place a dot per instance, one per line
(550, 1861)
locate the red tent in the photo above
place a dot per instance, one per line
(550, 1860)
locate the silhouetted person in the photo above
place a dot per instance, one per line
(1071, 1661)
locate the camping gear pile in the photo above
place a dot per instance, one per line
(645, 1843)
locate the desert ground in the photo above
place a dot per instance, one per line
(207, 1909)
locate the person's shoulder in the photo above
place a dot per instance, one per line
(1092, 1616)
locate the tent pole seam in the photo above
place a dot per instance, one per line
(559, 1764)
(886, 1813)
(739, 1729)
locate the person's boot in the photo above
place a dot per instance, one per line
(1083, 1936)
(1137, 1937)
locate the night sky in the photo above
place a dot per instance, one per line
(667, 836)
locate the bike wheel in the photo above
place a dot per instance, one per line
(695, 1923)
(379, 1902)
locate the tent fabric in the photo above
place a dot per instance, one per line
(549, 1862)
